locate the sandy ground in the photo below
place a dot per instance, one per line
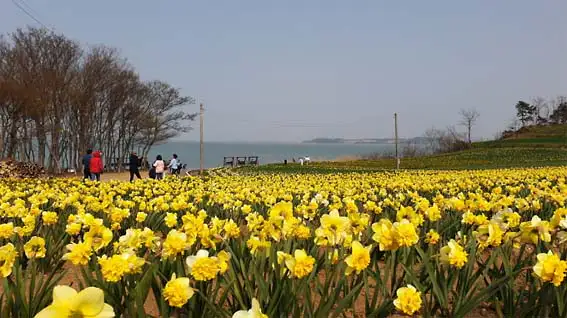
(120, 176)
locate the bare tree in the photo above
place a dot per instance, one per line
(541, 110)
(431, 140)
(553, 104)
(165, 118)
(512, 129)
(57, 99)
(468, 119)
(498, 135)
(441, 141)
(411, 149)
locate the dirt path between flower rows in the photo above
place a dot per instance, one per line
(73, 278)
(113, 176)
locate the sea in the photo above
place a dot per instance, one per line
(214, 152)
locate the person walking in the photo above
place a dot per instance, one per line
(174, 165)
(96, 166)
(133, 166)
(86, 164)
(160, 167)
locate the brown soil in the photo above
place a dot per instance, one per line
(73, 278)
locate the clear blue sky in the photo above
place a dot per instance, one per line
(295, 69)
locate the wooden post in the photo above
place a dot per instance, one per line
(201, 145)
(396, 140)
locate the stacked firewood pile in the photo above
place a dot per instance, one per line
(16, 169)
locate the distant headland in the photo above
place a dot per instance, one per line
(363, 140)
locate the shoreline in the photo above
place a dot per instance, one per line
(125, 174)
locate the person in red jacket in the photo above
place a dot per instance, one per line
(96, 166)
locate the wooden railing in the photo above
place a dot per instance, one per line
(239, 161)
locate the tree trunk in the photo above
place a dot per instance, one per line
(41, 142)
(12, 141)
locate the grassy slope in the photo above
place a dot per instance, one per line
(530, 147)
(471, 159)
(533, 137)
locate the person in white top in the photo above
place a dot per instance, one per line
(174, 165)
(160, 167)
(305, 159)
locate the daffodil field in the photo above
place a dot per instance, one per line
(428, 243)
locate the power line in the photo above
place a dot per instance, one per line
(30, 8)
(29, 14)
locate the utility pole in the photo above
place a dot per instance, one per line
(201, 145)
(396, 140)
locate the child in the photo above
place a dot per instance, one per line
(160, 167)
(174, 165)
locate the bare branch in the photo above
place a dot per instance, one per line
(468, 119)
(58, 99)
